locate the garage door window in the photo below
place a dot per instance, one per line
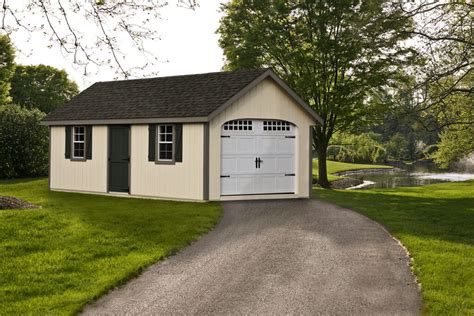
(276, 126)
(238, 125)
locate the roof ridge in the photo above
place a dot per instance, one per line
(257, 70)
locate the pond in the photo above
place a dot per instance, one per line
(407, 175)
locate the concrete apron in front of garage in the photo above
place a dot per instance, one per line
(277, 257)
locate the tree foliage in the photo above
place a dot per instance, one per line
(7, 67)
(333, 53)
(453, 146)
(365, 147)
(43, 87)
(456, 113)
(23, 142)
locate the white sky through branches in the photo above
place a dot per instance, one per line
(188, 45)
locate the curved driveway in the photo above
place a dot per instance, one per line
(277, 257)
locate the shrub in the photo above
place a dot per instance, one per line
(23, 142)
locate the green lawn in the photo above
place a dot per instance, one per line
(336, 166)
(77, 247)
(436, 224)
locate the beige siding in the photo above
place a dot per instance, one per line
(183, 180)
(90, 175)
(265, 101)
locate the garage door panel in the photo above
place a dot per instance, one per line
(229, 145)
(286, 164)
(246, 165)
(229, 165)
(229, 185)
(245, 145)
(240, 148)
(246, 184)
(266, 145)
(286, 184)
(285, 146)
(268, 165)
(267, 184)
(275, 184)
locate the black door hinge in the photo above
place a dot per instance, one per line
(289, 174)
(225, 176)
(290, 136)
(225, 136)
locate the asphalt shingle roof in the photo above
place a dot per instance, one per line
(164, 97)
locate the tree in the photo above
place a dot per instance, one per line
(7, 67)
(397, 147)
(456, 115)
(333, 53)
(445, 34)
(93, 33)
(454, 145)
(23, 142)
(43, 87)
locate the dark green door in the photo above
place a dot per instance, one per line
(119, 158)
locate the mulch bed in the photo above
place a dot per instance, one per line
(10, 203)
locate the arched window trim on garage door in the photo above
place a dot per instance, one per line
(269, 125)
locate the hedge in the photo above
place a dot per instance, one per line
(23, 142)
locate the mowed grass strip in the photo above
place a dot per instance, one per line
(56, 259)
(436, 224)
(336, 166)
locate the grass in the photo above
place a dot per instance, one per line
(57, 259)
(436, 224)
(335, 166)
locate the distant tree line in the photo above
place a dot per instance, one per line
(27, 94)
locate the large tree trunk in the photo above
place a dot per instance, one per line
(322, 167)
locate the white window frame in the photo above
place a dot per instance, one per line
(159, 141)
(74, 141)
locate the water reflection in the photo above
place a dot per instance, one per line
(408, 175)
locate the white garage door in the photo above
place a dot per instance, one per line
(257, 157)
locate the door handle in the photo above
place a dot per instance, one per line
(259, 162)
(256, 163)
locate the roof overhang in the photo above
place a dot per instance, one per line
(267, 74)
(196, 119)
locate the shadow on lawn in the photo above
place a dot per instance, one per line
(449, 219)
(19, 180)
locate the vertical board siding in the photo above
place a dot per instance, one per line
(89, 175)
(182, 180)
(265, 101)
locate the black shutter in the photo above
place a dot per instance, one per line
(178, 153)
(89, 142)
(151, 142)
(67, 150)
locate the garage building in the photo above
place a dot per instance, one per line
(215, 136)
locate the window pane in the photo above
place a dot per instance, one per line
(78, 150)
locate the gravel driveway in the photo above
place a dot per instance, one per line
(277, 257)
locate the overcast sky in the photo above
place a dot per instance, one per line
(188, 42)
